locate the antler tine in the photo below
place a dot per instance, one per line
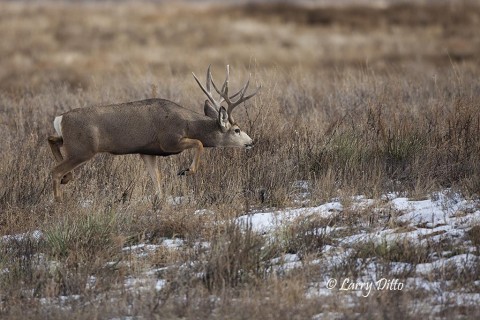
(241, 90)
(251, 95)
(216, 89)
(242, 98)
(209, 77)
(225, 85)
(244, 89)
(209, 96)
(210, 81)
(207, 90)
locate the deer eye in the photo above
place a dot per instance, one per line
(237, 131)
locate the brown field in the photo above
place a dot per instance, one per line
(355, 101)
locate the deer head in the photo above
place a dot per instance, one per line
(213, 108)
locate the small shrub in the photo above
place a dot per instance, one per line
(236, 257)
(19, 259)
(402, 250)
(474, 235)
(304, 235)
(82, 236)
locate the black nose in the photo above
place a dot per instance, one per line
(249, 145)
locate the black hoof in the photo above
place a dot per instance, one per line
(183, 172)
(66, 178)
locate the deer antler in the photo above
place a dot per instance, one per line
(224, 92)
(207, 90)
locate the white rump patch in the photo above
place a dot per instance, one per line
(57, 124)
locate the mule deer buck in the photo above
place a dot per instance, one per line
(150, 128)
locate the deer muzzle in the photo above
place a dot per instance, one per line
(249, 145)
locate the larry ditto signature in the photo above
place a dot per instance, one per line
(366, 287)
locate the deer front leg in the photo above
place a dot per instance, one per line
(187, 143)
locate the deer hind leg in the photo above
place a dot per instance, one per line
(61, 170)
(187, 143)
(151, 164)
(55, 143)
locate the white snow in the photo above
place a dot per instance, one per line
(264, 222)
(173, 243)
(457, 262)
(35, 235)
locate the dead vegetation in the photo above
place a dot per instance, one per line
(355, 101)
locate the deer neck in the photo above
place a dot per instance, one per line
(206, 130)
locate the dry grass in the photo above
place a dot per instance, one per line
(355, 101)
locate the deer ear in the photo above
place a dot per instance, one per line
(210, 110)
(223, 119)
